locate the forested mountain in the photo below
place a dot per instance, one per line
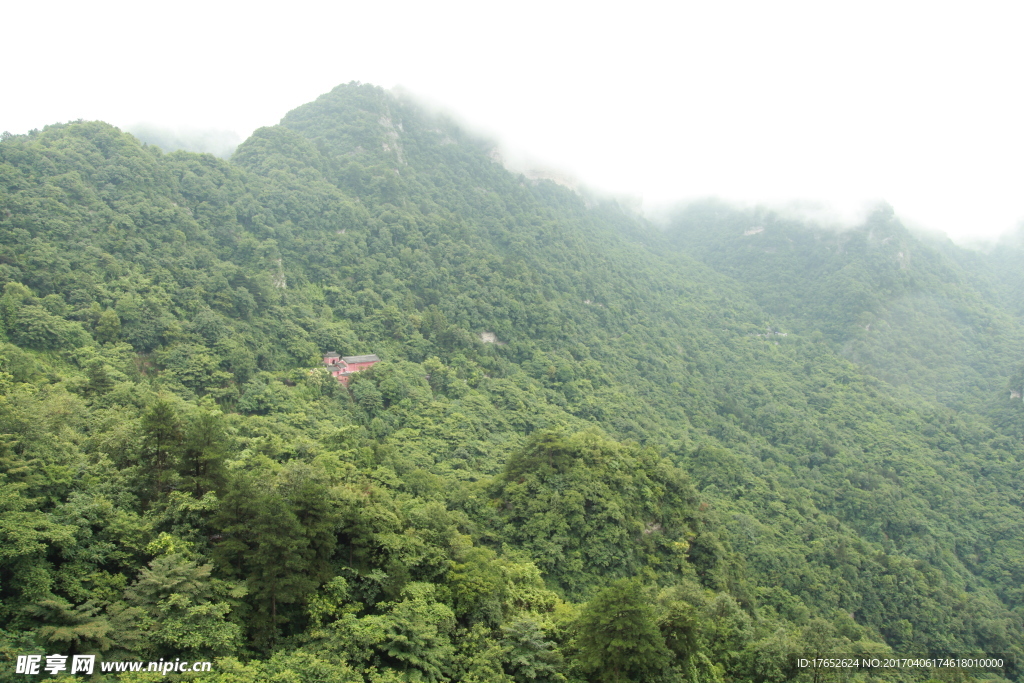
(594, 450)
(927, 316)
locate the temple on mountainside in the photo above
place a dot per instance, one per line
(343, 367)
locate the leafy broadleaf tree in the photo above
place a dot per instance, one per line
(532, 657)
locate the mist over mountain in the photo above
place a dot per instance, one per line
(916, 312)
(593, 449)
(220, 143)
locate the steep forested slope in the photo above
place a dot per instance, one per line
(927, 316)
(669, 427)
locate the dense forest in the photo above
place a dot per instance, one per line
(594, 449)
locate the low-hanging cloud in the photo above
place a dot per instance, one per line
(221, 143)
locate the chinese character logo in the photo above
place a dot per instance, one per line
(80, 664)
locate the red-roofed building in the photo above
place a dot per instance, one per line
(343, 367)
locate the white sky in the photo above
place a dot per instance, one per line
(918, 104)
